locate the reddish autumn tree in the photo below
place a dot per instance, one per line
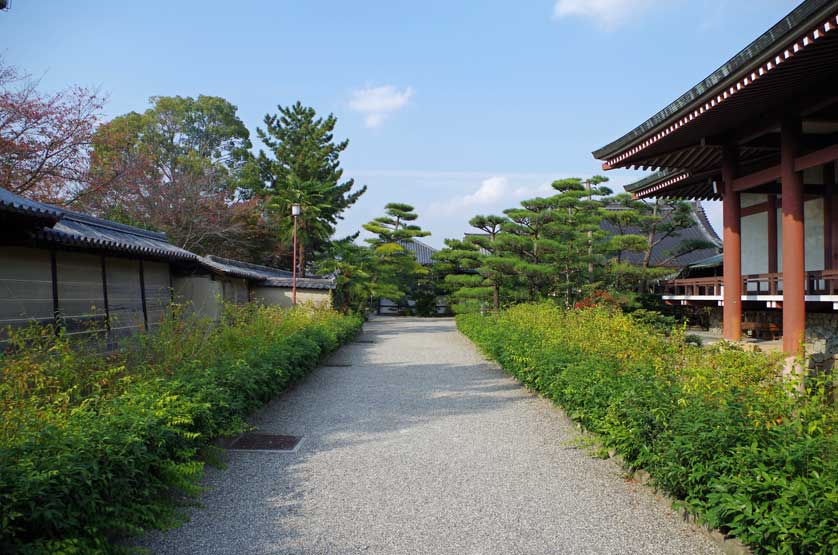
(179, 168)
(45, 138)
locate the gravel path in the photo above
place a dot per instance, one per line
(421, 446)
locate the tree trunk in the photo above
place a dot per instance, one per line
(590, 238)
(647, 256)
(496, 297)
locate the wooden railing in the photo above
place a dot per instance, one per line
(694, 287)
(824, 282)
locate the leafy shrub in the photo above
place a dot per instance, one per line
(660, 322)
(718, 428)
(92, 447)
(693, 339)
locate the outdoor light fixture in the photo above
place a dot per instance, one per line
(296, 210)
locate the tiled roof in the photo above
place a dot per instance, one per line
(302, 283)
(274, 277)
(701, 231)
(420, 250)
(10, 202)
(215, 265)
(786, 29)
(66, 227)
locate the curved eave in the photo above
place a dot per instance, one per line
(228, 270)
(675, 184)
(164, 252)
(795, 33)
(302, 283)
(42, 213)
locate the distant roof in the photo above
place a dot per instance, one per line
(712, 262)
(763, 47)
(422, 252)
(483, 251)
(65, 227)
(271, 277)
(701, 231)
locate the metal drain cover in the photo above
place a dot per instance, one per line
(266, 442)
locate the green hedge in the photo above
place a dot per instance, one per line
(94, 448)
(718, 428)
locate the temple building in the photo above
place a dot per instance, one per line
(761, 135)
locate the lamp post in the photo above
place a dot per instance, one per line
(296, 209)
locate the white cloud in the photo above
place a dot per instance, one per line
(376, 103)
(491, 190)
(494, 193)
(608, 13)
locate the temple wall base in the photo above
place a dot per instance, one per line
(822, 338)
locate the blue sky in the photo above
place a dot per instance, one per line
(458, 108)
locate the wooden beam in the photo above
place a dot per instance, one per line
(816, 158)
(801, 163)
(756, 179)
(755, 209)
(770, 122)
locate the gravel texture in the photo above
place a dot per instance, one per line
(421, 446)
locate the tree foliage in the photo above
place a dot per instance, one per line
(177, 167)
(303, 165)
(45, 138)
(556, 247)
(395, 268)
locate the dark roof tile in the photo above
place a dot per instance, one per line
(274, 277)
(66, 227)
(701, 231)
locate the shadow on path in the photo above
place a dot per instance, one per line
(420, 446)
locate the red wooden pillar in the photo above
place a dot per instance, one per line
(732, 254)
(794, 302)
(772, 234)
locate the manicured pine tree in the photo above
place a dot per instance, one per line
(642, 227)
(456, 267)
(395, 269)
(624, 216)
(353, 268)
(580, 242)
(495, 268)
(528, 237)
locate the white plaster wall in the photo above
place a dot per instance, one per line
(750, 199)
(235, 290)
(813, 235)
(755, 244)
(201, 294)
(281, 296)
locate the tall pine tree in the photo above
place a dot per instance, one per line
(303, 165)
